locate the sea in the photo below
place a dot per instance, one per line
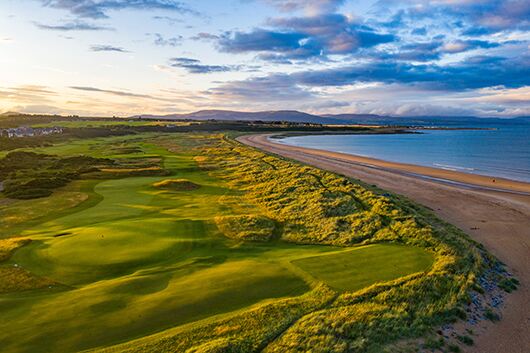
(496, 149)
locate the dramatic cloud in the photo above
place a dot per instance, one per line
(194, 66)
(294, 45)
(106, 47)
(305, 37)
(514, 72)
(475, 17)
(466, 75)
(392, 56)
(72, 26)
(99, 8)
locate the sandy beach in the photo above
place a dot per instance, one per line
(493, 211)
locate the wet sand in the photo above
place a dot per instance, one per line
(494, 212)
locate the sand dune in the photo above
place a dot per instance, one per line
(495, 212)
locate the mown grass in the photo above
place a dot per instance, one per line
(364, 266)
(169, 271)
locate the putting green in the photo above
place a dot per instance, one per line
(142, 260)
(361, 267)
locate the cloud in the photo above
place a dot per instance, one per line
(111, 92)
(508, 72)
(434, 50)
(297, 45)
(194, 66)
(204, 36)
(460, 46)
(99, 8)
(170, 20)
(72, 26)
(420, 31)
(309, 6)
(108, 48)
(427, 79)
(160, 40)
(301, 38)
(280, 87)
(27, 93)
(475, 17)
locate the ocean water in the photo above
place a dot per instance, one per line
(503, 152)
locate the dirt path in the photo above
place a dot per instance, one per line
(495, 213)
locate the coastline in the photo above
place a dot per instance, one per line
(450, 176)
(496, 214)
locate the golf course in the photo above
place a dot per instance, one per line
(195, 243)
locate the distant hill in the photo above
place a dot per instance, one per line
(280, 115)
(10, 114)
(525, 119)
(276, 115)
(450, 121)
(350, 119)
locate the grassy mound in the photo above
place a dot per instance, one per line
(8, 246)
(247, 227)
(176, 185)
(12, 277)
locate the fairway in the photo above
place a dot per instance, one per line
(130, 257)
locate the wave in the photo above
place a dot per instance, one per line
(452, 167)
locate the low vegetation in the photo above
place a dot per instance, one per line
(176, 185)
(247, 227)
(29, 175)
(13, 278)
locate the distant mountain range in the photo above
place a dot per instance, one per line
(297, 116)
(227, 115)
(337, 119)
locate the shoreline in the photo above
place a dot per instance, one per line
(470, 180)
(494, 214)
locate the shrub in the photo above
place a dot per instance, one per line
(465, 340)
(247, 227)
(491, 315)
(508, 284)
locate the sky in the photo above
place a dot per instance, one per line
(388, 57)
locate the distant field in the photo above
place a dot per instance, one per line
(124, 258)
(107, 122)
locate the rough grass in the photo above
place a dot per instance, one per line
(16, 279)
(247, 227)
(176, 185)
(8, 246)
(13, 278)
